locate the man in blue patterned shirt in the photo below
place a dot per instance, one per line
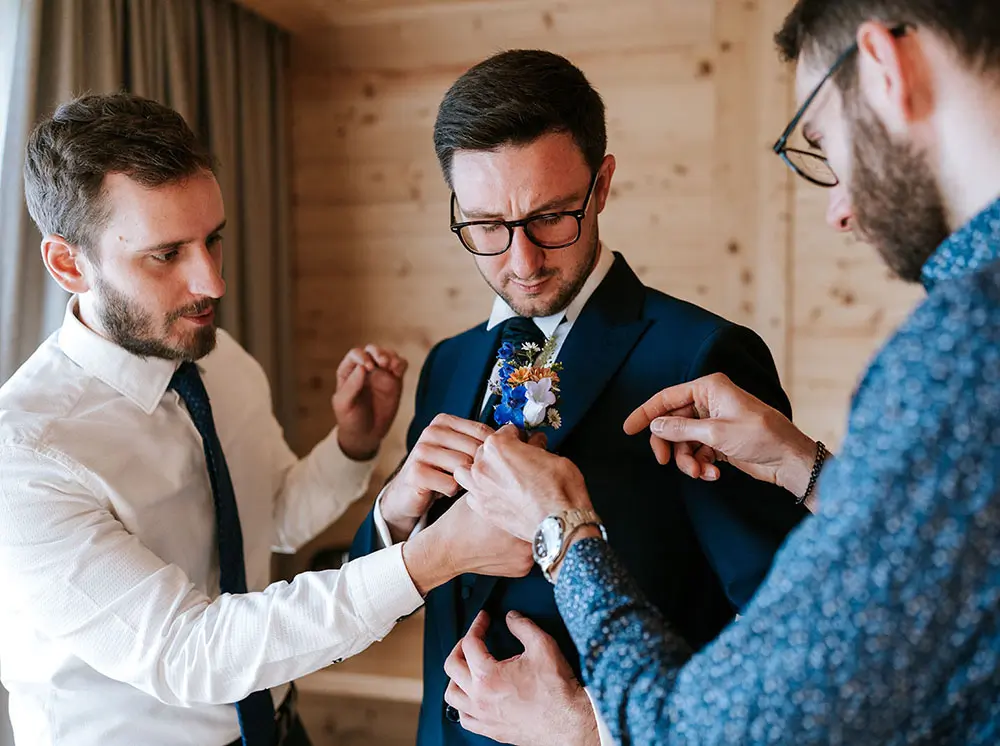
(880, 620)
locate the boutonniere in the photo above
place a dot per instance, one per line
(527, 382)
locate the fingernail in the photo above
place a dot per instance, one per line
(514, 615)
(656, 426)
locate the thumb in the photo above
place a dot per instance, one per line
(508, 432)
(353, 385)
(535, 640)
(684, 429)
(541, 440)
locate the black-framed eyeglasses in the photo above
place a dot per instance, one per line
(813, 166)
(550, 230)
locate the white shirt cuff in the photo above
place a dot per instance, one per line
(602, 728)
(386, 589)
(382, 528)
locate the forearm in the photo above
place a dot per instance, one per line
(315, 491)
(630, 658)
(221, 651)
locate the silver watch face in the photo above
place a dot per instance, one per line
(548, 539)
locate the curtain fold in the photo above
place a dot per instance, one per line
(223, 69)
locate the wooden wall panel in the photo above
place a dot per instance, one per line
(700, 206)
(420, 36)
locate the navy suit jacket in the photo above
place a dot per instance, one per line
(698, 550)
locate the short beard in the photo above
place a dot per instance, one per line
(568, 290)
(133, 328)
(898, 204)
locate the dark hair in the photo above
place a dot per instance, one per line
(516, 97)
(828, 27)
(69, 154)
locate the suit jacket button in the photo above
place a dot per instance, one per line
(466, 592)
(451, 714)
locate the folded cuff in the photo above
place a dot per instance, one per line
(387, 591)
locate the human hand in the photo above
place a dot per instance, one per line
(461, 541)
(532, 699)
(515, 485)
(445, 445)
(711, 419)
(369, 387)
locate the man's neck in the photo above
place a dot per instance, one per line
(84, 311)
(969, 157)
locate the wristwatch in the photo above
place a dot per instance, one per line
(554, 533)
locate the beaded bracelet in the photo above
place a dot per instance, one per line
(821, 455)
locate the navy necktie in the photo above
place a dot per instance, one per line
(518, 331)
(256, 712)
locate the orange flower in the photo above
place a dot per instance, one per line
(525, 374)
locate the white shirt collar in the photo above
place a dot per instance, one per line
(142, 380)
(547, 324)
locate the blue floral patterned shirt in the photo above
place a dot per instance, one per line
(880, 620)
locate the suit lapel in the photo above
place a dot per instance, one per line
(467, 385)
(607, 329)
(600, 341)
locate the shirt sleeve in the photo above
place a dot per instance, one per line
(314, 491)
(81, 580)
(876, 618)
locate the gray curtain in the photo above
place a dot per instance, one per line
(223, 69)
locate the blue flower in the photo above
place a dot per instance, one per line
(515, 397)
(506, 371)
(507, 415)
(506, 351)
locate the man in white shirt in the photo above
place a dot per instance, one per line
(144, 479)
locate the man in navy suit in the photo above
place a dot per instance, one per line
(521, 140)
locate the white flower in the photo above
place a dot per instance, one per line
(555, 419)
(539, 399)
(494, 382)
(531, 347)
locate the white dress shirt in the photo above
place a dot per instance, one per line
(558, 325)
(112, 628)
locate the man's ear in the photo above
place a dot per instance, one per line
(893, 76)
(603, 186)
(66, 263)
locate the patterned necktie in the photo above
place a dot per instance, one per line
(256, 712)
(518, 331)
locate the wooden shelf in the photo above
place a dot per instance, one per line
(391, 670)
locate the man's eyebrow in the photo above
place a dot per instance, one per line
(553, 205)
(166, 246)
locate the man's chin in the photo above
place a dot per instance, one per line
(535, 308)
(199, 344)
(537, 305)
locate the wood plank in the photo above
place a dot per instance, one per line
(751, 189)
(775, 256)
(351, 721)
(457, 37)
(299, 17)
(391, 669)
